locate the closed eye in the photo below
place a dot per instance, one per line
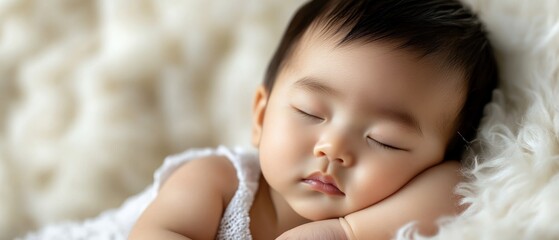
(383, 145)
(308, 115)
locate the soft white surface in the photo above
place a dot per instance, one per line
(93, 95)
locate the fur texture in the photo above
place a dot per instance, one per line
(93, 95)
(514, 169)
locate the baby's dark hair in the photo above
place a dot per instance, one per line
(443, 28)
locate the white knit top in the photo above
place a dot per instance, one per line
(235, 223)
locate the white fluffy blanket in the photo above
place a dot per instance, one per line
(93, 95)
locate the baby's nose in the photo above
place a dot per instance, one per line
(336, 148)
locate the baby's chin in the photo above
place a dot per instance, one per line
(319, 212)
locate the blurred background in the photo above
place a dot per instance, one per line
(94, 95)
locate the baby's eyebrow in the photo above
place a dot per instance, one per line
(313, 85)
(399, 115)
(403, 117)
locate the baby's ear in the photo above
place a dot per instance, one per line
(258, 111)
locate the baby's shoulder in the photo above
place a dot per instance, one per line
(214, 173)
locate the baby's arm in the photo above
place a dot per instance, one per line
(427, 197)
(190, 203)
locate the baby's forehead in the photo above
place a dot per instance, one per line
(405, 62)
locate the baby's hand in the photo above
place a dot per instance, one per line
(325, 229)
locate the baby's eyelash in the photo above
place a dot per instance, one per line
(308, 115)
(382, 145)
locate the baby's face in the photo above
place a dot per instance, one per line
(347, 126)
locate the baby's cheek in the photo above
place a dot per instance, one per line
(374, 184)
